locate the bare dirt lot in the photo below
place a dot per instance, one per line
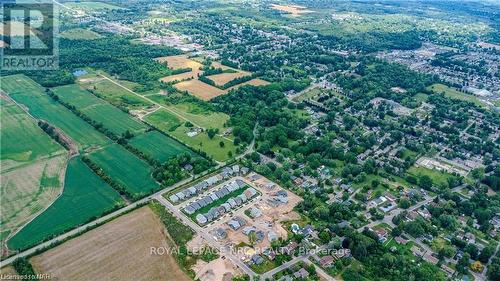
(8, 271)
(200, 89)
(294, 10)
(215, 270)
(223, 78)
(118, 250)
(253, 82)
(180, 62)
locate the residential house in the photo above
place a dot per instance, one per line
(326, 261)
(301, 274)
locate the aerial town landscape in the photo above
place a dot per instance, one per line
(220, 140)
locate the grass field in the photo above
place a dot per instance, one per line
(22, 139)
(163, 120)
(125, 168)
(28, 93)
(115, 94)
(118, 250)
(454, 94)
(91, 6)
(80, 34)
(438, 177)
(199, 89)
(85, 196)
(194, 113)
(173, 126)
(158, 146)
(31, 165)
(99, 110)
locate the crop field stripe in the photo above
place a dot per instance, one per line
(99, 110)
(159, 146)
(28, 93)
(125, 168)
(85, 196)
(22, 139)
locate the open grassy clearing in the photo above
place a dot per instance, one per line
(91, 6)
(85, 196)
(118, 250)
(173, 126)
(454, 94)
(158, 146)
(194, 113)
(80, 34)
(99, 110)
(125, 168)
(438, 177)
(115, 94)
(28, 93)
(199, 89)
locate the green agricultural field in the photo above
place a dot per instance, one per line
(158, 146)
(28, 93)
(22, 139)
(80, 34)
(31, 166)
(125, 168)
(85, 196)
(173, 126)
(99, 110)
(116, 95)
(454, 94)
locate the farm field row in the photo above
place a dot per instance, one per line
(31, 168)
(22, 139)
(98, 110)
(172, 119)
(158, 146)
(188, 81)
(125, 168)
(120, 250)
(85, 196)
(28, 93)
